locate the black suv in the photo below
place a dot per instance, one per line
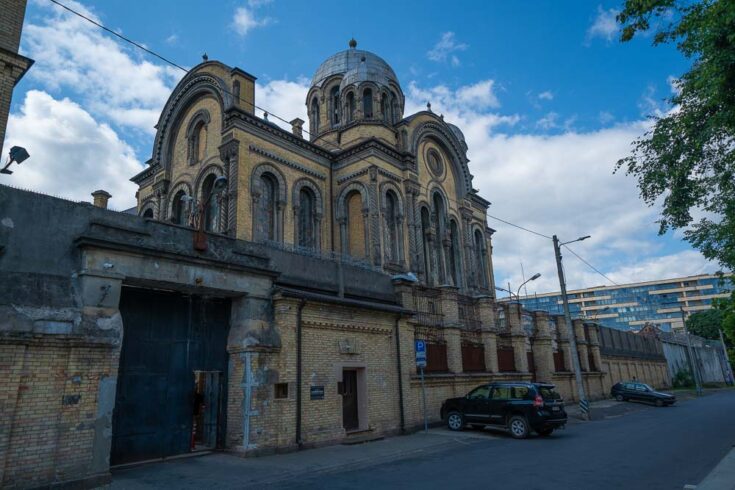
(632, 390)
(520, 407)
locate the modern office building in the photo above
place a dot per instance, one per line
(630, 306)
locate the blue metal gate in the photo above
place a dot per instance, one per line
(167, 336)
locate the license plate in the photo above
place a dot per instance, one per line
(555, 409)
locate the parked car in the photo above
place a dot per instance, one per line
(632, 390)
(517, 406)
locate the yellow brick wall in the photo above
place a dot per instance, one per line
(48, 406)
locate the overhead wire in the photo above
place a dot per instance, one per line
(255, 106)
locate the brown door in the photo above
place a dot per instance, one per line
(349, 400)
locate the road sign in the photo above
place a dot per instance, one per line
(421, 353)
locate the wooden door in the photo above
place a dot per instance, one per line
(350, 419)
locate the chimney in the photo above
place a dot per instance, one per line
(297, 127)
(100, 198)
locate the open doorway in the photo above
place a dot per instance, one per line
(207, 403)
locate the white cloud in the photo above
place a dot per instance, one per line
(446, 48)
(172, 39)
(605, 117)
(285, 98)
(72, 154)
(546, 95)
(245, 18)
(74, 55)
(604, 26)
(548, 121)
(480, 95)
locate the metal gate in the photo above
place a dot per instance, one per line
(167, 336)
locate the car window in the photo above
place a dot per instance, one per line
(519, 392)
(481, 393)
(548, 393)
(501, 393)
(640, 387)
(646, 387)
(629, 386)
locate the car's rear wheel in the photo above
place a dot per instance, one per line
(518, 427)
(659, 402)
(545, 432)
(620, 398)
(455, 421)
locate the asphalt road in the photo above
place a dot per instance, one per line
(651, 448)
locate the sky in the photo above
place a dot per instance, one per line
(546, 95)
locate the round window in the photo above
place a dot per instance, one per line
(435, 163)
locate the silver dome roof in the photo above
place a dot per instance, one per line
(345, 61)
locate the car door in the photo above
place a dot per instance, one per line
(500, 397)
(642, 393)
(630, 392)
(477, 405)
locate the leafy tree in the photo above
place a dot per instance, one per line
(706, 324)
(688, 157)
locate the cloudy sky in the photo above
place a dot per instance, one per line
(547, 97)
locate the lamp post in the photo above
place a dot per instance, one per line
(200, 238)
(532, 278)
(583, 403)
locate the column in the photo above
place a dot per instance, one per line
(453, 337)
(543, 354)
(594, 346)
(564, 346)
(584, 360)
(486, 311)
(518, 337)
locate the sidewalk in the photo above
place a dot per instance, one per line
(221, 470)
(722, 477)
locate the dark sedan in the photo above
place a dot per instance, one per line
(631, 390)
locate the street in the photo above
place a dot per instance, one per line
(646, 447)
(652, 448)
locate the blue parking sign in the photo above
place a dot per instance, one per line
(420, 353)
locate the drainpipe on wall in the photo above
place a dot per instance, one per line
(299, 442)
(400, 374)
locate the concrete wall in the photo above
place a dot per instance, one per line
(707, 356)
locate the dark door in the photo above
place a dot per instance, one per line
(531, 365)
(349, 400)
(477, 405)
(166, 337)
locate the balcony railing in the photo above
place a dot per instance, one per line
(468, 313)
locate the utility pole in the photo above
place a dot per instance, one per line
(583, 403)
(690, 351)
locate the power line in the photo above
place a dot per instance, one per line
(590, 265)
(517, 226)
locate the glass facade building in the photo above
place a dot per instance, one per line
(630, 306)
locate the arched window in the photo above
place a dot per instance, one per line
(367, 103)
(198, 142)
(393, 235)
(314, 124)
(425, 233)
(440, 215)
(335, 105)
(350, 107)
(454, 257)
(148, 213)
(394, 108)
(266, 210)
(355, 225)
(178, 209)
(307, 219)
(480, 260)
(212, 207)
(385, 108)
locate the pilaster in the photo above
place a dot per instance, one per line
(453, 337)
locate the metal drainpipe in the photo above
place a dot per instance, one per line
(299, 442)
(400, 375)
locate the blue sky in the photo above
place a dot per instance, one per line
(546, 95)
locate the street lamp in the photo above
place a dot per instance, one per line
(532, 278)
(18, 154)
(583, 403)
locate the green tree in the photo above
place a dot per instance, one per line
(688, 156)
(706, 324)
